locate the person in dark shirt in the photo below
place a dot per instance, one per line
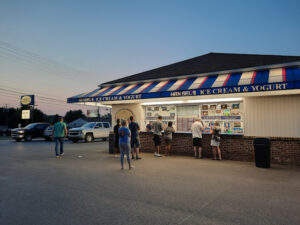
(149, 126)
(116, 136)
(135, 139)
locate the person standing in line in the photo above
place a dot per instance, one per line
(135, 139)
(215, 140)
(59, 132)
(116, 137)
(197, 128)
(168, 133)
(149, 127)
(124, 136)
(157, 129)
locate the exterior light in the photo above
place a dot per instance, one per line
(162, 103)
(215, 100)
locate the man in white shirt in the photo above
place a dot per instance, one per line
(197, 128)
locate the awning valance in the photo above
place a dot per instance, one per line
(253, 81)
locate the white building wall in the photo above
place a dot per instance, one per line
(136, 109)
(274, 116)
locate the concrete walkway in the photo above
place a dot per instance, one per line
(36, 188)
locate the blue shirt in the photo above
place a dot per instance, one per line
(124, 135)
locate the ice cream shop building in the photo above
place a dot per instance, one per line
(250, 95)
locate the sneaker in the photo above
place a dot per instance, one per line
(57, 156)
(158, 155)
(132, 157)
(62, 154)
(131, 167)
(138, 158)
(155, 153)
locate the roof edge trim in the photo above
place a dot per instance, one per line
(271, 66)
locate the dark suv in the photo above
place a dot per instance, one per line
(33, 130)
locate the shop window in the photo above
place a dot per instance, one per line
(229, 115)
(186, 115)
(168, 113)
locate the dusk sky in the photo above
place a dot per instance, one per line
(57, 49)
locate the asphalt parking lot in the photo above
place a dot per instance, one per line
(86, 186)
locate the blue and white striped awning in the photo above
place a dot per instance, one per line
(253, 81)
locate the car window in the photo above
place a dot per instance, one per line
(32, 125)
(98, 125)
(50, 128)
(106, 125)
(40, 126)
(88, 125)
(45, 126)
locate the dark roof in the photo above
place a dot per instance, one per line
(211, 62)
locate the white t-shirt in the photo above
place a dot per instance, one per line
(196, 129)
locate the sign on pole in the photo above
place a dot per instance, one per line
(25, 114)
(27, 100)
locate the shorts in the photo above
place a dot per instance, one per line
(214, 143)
(135, 142)
(168, 141)
(157, 140)
(197, 142)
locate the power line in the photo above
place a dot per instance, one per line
(15, 89)
(23, 93)
(38, 59)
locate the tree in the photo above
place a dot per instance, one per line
(73, 115)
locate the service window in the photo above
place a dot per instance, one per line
(229, 115)
(168, 113)
(186, 115)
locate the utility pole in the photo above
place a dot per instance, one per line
(6, 111)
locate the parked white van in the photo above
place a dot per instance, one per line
(90, 131)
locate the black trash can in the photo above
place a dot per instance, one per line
(262, 152)
(111, 143)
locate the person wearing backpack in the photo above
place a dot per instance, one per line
(215, 140)
(124, 143)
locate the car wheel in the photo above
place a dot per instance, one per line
(75, 141)
(104, 139)
(18, 140)
(89, 138)
(28, 137)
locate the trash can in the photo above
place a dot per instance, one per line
(262, 152)
(111, 143)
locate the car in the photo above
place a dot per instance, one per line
(5, 132)
(90, 131)
(48, 133)
(33, 130)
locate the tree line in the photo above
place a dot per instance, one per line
(11, 117)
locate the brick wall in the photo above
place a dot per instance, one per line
(283, 150)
